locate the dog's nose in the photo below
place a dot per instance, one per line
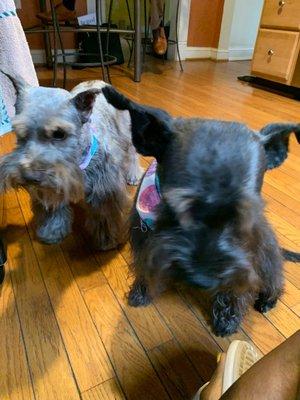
(31, 176)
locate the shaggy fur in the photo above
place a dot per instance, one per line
(51, 128)
(210, 231)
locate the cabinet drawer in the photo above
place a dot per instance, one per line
(283, 14)
(275, 54)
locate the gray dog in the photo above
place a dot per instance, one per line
(72, 147)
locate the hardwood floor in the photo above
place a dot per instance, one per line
(66, 329)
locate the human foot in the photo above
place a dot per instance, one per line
(239, 358)
(160, 43)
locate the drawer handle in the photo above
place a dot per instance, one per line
(281, 3)
(271, 52)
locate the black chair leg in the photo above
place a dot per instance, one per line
(176, 33)
(2, 273)
(2, 261)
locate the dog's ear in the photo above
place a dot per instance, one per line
(20, 86)
(275, 138)
(115, 98)
(150, 126)
(84, 102)
(150, 134)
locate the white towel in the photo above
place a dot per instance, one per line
(14, 54)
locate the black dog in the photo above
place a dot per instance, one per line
(209, 228)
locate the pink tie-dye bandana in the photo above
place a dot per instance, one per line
(148, 198)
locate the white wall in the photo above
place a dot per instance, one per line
(244, 27)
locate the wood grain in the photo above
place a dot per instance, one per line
(15, 381)
(175, 370)
(132, 366)
(48, 361)
(88, 357)
(108, 390)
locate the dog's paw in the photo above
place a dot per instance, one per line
(133, 177)
(226, 327)
(51, 236)
(226, 314)
(138, 296)
(263, 306)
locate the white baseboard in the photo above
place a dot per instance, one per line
(218, 54)
(187, 52)
(240, 53)
(39, 56)
(233, 54)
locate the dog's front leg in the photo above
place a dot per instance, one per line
(228, 310)
(53, 224)
(139, 294)
(269, 262)
(134, 171)
(106, 222)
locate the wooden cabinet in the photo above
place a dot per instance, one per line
(281, 14)
(276, 54)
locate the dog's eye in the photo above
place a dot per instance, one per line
(59, 134)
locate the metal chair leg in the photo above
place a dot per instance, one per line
(145, 31)
(108, 26)
(176, 33)
(129, 15)
(98, 18)
(64, 60)
(54, 47)
(131, 27)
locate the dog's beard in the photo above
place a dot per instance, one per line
(62, 182)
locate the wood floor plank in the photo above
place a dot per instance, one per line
(147, 323)
(118, 336)
(108, 390)
(281, 197)
(296, 309)
(292, 217)
(285, 320)
(175, 370)
(132, 366)
(283, 227)
(85, 268)
(261, 331)
(198, 303)
(291, 269)
(87, 355)
(200, 348)
(15, 382)
(291, 295)
(284, 183)
(48, 362)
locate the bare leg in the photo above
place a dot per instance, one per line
(275, 377)
(156, 13)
